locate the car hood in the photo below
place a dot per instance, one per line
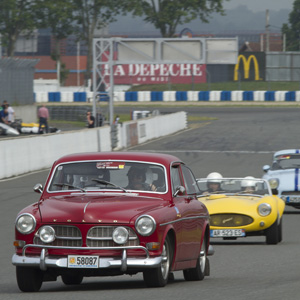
(90, 208)
(233, 204)
(289, 179)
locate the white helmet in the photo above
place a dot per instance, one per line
(248, 182)
(214, 177)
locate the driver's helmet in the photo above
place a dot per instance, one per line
(248, 182)
(214, 177)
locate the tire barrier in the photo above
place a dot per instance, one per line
(166, 96)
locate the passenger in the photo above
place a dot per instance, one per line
(90, 120)
(137, 178)
(213, 182)
(248, 185)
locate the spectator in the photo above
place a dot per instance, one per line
(11, 114)
(90, 120)
(4, 104)
(117, 120)
(43, 115)
(4, 115)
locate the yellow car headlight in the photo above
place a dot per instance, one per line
(264, 209)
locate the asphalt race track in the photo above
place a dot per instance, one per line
(238, 141)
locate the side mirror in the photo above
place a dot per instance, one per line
(180, 190)
(266, 168)
(274, 191)
(38, 188)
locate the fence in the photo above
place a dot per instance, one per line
(16, 80)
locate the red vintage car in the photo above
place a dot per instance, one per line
(105, 214)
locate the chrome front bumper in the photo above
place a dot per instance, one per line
(124, 263)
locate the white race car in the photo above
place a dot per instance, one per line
(285, 169)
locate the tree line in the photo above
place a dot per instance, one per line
(83, 17)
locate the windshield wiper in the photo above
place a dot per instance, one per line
(70, 185)
(109, 183)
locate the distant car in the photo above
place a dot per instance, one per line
(285, 169)
(106, 214)
(242, 207)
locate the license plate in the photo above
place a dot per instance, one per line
(292, 199)
(227, 233)
(83, 261)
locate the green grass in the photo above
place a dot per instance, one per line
(222, 86)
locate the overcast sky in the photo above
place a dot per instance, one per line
(260, 5)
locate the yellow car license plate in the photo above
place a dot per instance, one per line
(227, 232)
(83, 261)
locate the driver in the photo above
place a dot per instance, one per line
(213, 182)
(137, 178)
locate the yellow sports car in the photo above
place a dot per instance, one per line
(241, 207)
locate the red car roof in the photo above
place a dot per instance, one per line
(164, 159)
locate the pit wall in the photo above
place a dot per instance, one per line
(22, 155)
(171, 96)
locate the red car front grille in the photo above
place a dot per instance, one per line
(98, 236)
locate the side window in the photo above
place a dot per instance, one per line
(190, 181)
(175, 173)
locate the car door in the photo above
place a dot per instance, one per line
(188, 225)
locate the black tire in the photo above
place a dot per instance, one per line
(29, 279)
(272, 236)
(71, 279)
(198, 273)
(158, 277)
(280, 231)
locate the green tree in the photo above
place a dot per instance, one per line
(166, 15)
(16, 17)
(92, 15)
(58, 16)
(292, 30)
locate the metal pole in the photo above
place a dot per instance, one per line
(94, 79)
(0, 46)
(58, 74)
(111, 80)
(267, 31)
(78, 63)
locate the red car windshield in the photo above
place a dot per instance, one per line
(116, 175)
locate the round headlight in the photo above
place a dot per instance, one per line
(120, 235)
(47, 234)
(264, 209)
(25, 223)
(145, 225)
(274, 183)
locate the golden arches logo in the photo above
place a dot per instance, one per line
(247, 62)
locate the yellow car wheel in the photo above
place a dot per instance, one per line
(273, 234)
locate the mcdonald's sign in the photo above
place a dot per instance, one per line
(250, 66)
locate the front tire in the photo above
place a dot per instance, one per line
(272, 234)
(280, 231)
(158, 277)
(29, 279)
(198, 273)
